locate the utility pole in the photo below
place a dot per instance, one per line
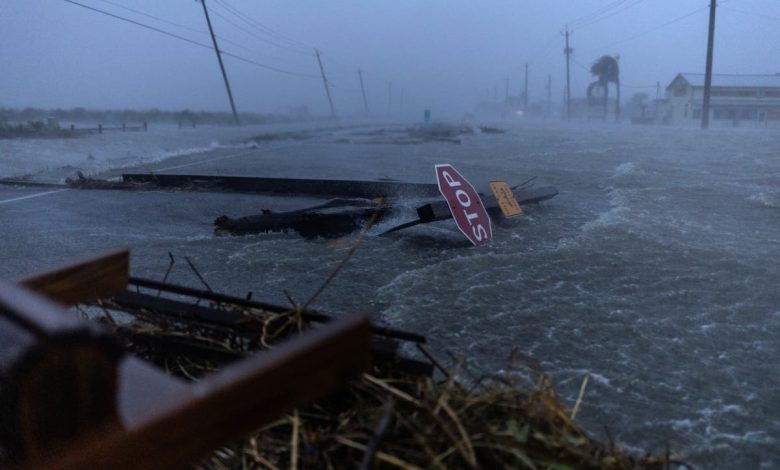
(657, 90)
(363, 90)
(389, 97)
(549, 95)
(325, 82)
(568, 52)
(506, 99)
(525, 93)
(705, 112)
(221, 65)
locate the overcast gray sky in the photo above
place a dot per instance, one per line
(442, 54)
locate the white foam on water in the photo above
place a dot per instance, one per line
(93, 153)
(625, 169)
(770, 199)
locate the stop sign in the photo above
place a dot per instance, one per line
(465, 204)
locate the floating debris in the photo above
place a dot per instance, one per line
(491, 130)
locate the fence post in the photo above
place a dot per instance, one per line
(124, 127)
(146, 128)
(100, 128)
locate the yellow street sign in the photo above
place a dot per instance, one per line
(506, 200)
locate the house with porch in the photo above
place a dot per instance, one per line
(735, 100)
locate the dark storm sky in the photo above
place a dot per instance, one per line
(439, 54)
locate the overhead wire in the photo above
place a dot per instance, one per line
(261, 27)
(594, 14)
(247, 31)
(758, 15)
(191, 41)
(162, 20)
(178, 25)
(608, 15)
(656, 28)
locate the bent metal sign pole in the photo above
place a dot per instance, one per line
(466, 206)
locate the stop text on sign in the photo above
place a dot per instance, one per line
(465, 205)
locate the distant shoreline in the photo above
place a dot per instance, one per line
(15, 116)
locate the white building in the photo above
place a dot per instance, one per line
(735, 100)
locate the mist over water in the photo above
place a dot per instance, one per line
(652, 271)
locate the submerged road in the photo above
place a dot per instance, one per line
(653, 271)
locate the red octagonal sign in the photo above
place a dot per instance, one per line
(465, 204)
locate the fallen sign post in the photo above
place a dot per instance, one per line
(464, 203)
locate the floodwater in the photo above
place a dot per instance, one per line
(654, 271)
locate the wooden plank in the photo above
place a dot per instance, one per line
(61, 381)
(38, 315)
(286, 186)
(84, 280)
(229, 404)
(308, 315)
(139, 380)
(177, 310)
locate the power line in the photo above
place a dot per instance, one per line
(544, 48)
(249, 32)
(609, 15)
(269, 67)
(594, 14)
(163, 20)
(261, 27)
(140, 24)
(656, 28)
(759, 15)
(191, 41)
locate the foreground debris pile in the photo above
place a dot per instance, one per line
(397, 415)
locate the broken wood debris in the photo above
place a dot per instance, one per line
(233, 329)
(71, 398)
(491, 130)
(510, 419)
(284, 186)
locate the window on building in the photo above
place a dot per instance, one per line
(724, 114)
(733, 93)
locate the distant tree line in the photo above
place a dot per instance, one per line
(115, 116)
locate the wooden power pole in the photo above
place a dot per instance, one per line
(705, 112)
(363, 90)
(549, 95)
(221, 65)
(568, 52)
(325, 82)
(389, 97)
(525, 93)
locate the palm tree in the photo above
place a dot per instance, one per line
(607, 70)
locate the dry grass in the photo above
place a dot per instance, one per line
(391, 420)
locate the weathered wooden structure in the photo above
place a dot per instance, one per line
(70, 397)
